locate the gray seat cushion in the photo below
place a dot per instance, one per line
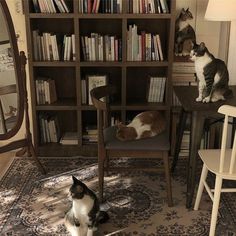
(159, 142)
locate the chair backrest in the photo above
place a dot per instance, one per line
(4, 91)
(103, 107)
(228, 111)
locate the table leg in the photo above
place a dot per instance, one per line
(197, 125)
(180, 132)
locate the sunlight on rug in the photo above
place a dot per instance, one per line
(33, 204)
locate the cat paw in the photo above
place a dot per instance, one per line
(199, 99)
(180, 54)
(206, 99)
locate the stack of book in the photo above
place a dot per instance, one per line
(148, 6)
(144, 46)
(50, 6)
(101, 6)
(69, 138)
(49, 128)
(52, 47)
(45, 91)
(184, 148)
(156, 89)
(101, 48)
(183, 74)
(90, 135)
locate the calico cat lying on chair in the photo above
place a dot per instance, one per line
(212, 74)
(144, 125)
(84, 216)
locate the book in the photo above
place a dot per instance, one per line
(94, 81)
(69, 138)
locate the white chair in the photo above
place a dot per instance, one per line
(222, 163)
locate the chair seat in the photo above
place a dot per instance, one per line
(211, 157)
(157, 143)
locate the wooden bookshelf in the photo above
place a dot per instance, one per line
(130, 77)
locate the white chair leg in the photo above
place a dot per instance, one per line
(215, 207)
(200, 187)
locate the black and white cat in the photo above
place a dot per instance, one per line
(185, 36)
(212, 74)
(85, 215)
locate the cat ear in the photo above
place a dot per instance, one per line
(187, 9)
(75, 180)
(182, 11)
(202, 45)
(120, 125)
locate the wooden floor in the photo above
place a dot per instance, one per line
(5, 161)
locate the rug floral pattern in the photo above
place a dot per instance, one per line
(34, 204)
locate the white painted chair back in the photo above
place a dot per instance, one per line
(228, 111)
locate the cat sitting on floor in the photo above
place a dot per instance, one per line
(212, 75)
(144, 125)
(85, 214)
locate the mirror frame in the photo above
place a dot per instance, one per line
(18, 72)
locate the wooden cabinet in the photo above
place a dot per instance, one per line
(129, 76)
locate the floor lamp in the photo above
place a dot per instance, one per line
(225, 10)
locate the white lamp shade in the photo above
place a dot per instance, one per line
(221, 10)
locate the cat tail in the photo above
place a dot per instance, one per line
(228, 94)
(103, 217)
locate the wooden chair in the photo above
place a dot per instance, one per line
(222, 163)
(109, 146)
(7, 123)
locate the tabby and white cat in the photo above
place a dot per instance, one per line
(212, 74)
(185, 36)
(85, 215)
(144, 125)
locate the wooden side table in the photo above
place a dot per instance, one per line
(199, 112)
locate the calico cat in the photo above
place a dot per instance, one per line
(144, 125)
(85, 215)
(212, 74)
(185, 36)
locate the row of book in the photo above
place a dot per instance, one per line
(183, 74)
(156, 89)
(49, 128)
(144, 46)
(101, 48)
(100, 6)
(148, 6)
(45, 91)
(50, 6)
(52, 47)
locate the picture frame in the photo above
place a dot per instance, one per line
(94, 81)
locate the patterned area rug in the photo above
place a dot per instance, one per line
(33, 204)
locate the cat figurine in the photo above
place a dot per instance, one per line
(144, 125)
(185, 36)
(212, 74)
(85, 214)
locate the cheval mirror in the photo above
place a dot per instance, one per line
(13, 93)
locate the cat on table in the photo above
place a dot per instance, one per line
(212, 75)
(185, 36)
(85, 214)
(144, 125)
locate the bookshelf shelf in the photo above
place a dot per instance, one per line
(53, 15)
(71, 111)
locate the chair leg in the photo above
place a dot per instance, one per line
(101, 160)
(215, 207)
(200, 187)
(168, 178)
